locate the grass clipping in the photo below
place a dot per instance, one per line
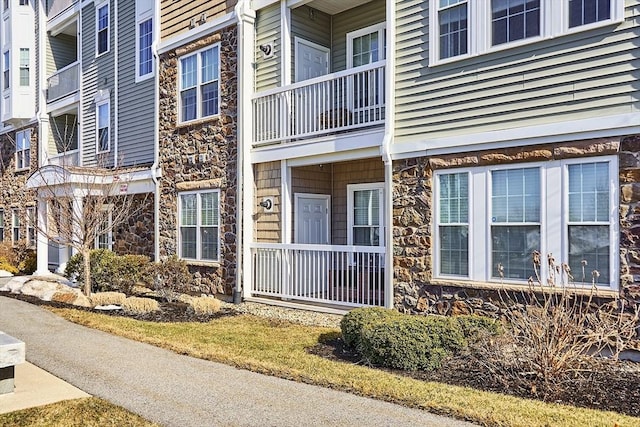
(279, 348)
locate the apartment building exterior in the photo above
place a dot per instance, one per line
(415, 154)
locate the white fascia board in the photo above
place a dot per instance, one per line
(611, 126)
(333, 145)
(197, 33)
(261, 4)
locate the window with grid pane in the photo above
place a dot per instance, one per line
(1, 225)
(453, 223)
(515, 221)
(452, 24)
(23, 149)
(102, 29)
(200, 84)
(24, 67)
(589, 220)
(145, 39)
(583, 12)
(199, 226)
(15, 226)
(514, 20)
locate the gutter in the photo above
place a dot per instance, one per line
(115, 85)
(156, 170)
(389, 128)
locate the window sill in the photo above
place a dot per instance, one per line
(197, 263)
(22, 169)
(600, 291)
(197, 122)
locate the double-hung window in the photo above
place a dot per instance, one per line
(6, 67)
(104, 234)
(23, 149)
(491, 220)
(199, 229)
(102, 29)
(31, 227)
(200, 84)
(462, 28)
(15, 226)
(145, 56)
(103, 121)
(365, 214)
(1, 225)
(24, 67)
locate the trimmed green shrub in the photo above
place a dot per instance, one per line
(476, 327)
(411, 342)
(29, 263)
(354, 321)
(109, 272)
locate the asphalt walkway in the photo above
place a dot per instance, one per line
(175, 390)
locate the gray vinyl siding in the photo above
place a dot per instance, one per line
(316, 30)
(351, 20)
(97, 74)
(62, 50)
(588, 74)
(135, 100)
(267, 27)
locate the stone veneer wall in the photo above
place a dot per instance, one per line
(201, 155)
(414, 289)
(136, 236)
(13, 191)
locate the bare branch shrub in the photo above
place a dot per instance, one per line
(170, 278)
(553, 332)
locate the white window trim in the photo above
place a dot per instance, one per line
(554, 22)
(199, 115)
(97, 8)
(198, 258)
(140, 19)
(379, 28)
(15, 225)
(553, 219)
(31, 219)
(351, 188)
(99, 104)
(25, 165)
(109, 211)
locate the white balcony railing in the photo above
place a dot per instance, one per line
(64, 82)
(337, 275)
(323, 105)
(69, 158)
(55, 7)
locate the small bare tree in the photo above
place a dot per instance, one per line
(83, 202)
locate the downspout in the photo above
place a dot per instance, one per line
(156, 170)
(115, 84)
(245, 18)
(389, 127)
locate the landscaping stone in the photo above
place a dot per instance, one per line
(4, 273)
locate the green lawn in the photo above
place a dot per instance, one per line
(279, 348)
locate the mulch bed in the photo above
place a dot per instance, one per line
(608, 385)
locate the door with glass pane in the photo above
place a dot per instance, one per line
(366, 46)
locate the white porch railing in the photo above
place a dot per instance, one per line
(337, 275)
(64, 82)
(69, 158)
(348, 99)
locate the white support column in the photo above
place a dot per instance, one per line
(76, 216)
(42, 243)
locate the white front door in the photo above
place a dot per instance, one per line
(312, 218)
(312, 60)
(311, 270)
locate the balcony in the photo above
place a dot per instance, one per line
(63, 83)
(340, 102)
(56, 7)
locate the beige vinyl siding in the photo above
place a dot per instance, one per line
(267, 29)
(97, 74)
(176, 15)
(61, 51)
(588, 74)
(268, 184)
(311, 25)
(354, 172)
(351, 20)
(63, 134)
(135, 100)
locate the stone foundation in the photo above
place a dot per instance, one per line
(137, 235)
(415, 290)
(201, 155)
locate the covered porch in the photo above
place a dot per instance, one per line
(319, 234)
